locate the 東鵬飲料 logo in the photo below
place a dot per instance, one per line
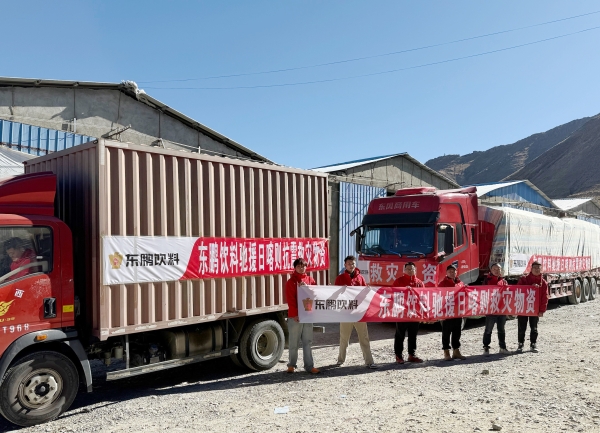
(115, 260)
(308, 304)
(4, 306)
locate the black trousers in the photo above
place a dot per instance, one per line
(451, 329)
(533, 324)
(490, 321)
(401, 328)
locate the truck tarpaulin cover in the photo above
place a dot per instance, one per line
(521, 237)
(139, 259)
(326, 304)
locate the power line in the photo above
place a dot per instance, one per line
(328, 80)
(373, 56)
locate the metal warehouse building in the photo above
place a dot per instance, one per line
(520, 194)
(42, 116)
(353, 184)
(589, 206)
(587, 209)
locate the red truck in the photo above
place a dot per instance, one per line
(434, 228)
(145, 259)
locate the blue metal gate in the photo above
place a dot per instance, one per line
(354, 201)
(36, 140)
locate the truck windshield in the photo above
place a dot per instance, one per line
(405, 239)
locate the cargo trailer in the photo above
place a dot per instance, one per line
(146, 259)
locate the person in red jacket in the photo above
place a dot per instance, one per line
(299, 332)
(451, 328)
(19, 256)
(352, 277)
(408, 279)
(494, 278)
(534, 278)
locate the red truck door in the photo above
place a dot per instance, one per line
(30, 280)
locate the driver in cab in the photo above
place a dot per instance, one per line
(395, 242)
(19, 256)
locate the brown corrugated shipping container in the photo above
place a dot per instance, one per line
(108, 188)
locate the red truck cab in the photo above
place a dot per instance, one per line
(432, 228)
(37, 303)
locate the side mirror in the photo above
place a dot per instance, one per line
(449, 240)
(358, 240)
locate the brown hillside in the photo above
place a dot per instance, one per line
(499, 162)
(571, 167)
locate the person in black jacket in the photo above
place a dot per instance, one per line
(494, 278)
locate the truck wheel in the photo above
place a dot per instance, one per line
(593, 289)
(38, 388)
(463, 323)
(261, 345)
(585, 290)
(235, 358)
(575, 296)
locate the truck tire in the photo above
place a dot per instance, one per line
(593, 288)
(585, 290)
(235, 358)
(575, 296)
(261, 345)
(463, 323)
(38, 388)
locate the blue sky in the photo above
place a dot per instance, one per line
(454, 107)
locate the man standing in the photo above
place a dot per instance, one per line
(494, 278)
(299, 331)
(534, 278)
(451, 328)
(408, 279)
(352, 277)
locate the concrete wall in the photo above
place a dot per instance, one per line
(588, 207)
(100, 111)
(394, 174)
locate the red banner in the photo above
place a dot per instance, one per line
(561, 264)
(392, 304)
(330, 304)
(239, 257)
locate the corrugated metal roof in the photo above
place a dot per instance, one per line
(131, 89)
(358, 162)
(570, 203)
(11, 162)
(485, 189)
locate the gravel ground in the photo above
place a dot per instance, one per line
(552, 391)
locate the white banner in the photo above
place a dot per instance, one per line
(350, 303)
(142, 259)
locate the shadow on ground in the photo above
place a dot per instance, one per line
(222, 374)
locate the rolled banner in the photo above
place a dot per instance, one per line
(336, 304)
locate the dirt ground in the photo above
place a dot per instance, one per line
(554, 390)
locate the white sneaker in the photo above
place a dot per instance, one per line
(372, 366)
(486, 351)
(503, 351)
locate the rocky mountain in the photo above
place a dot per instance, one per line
(500, 162)
(570, 168)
